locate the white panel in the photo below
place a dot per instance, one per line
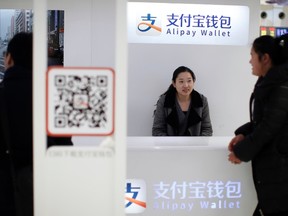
(79, 181)
(185, 176)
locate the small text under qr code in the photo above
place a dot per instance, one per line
(80, 101)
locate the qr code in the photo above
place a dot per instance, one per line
(80, 102)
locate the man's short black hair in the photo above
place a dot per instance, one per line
(21, 49)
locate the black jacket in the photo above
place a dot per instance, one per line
(16, 96)
(16, 142)
(266, 140)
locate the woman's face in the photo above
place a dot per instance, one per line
(258, 65)
(184, 84)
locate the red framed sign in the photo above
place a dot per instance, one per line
(80, 101)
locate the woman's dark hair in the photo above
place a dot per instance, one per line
(179, 70)
(21, 49)
(267, 44)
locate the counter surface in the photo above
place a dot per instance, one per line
(187, 176)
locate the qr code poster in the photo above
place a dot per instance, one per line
(80, 101)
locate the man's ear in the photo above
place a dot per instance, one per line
(9, 62)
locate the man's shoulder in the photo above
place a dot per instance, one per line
(18, 72)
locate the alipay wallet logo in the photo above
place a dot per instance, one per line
(149, 25)
(135, 196)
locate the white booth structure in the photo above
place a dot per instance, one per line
(128, 172)
(187, 176)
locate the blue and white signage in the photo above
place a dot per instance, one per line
(202, 195)
(168, 23)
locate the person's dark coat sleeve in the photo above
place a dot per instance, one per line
(274, 118)
(244, 129)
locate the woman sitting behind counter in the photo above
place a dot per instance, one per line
(182, 111)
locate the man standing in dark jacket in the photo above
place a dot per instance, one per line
(264, 140)
(16, 128)
(16, 133)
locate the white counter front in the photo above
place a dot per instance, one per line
(186, 176)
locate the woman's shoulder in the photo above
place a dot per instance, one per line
(162, 98)
(280, 90)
